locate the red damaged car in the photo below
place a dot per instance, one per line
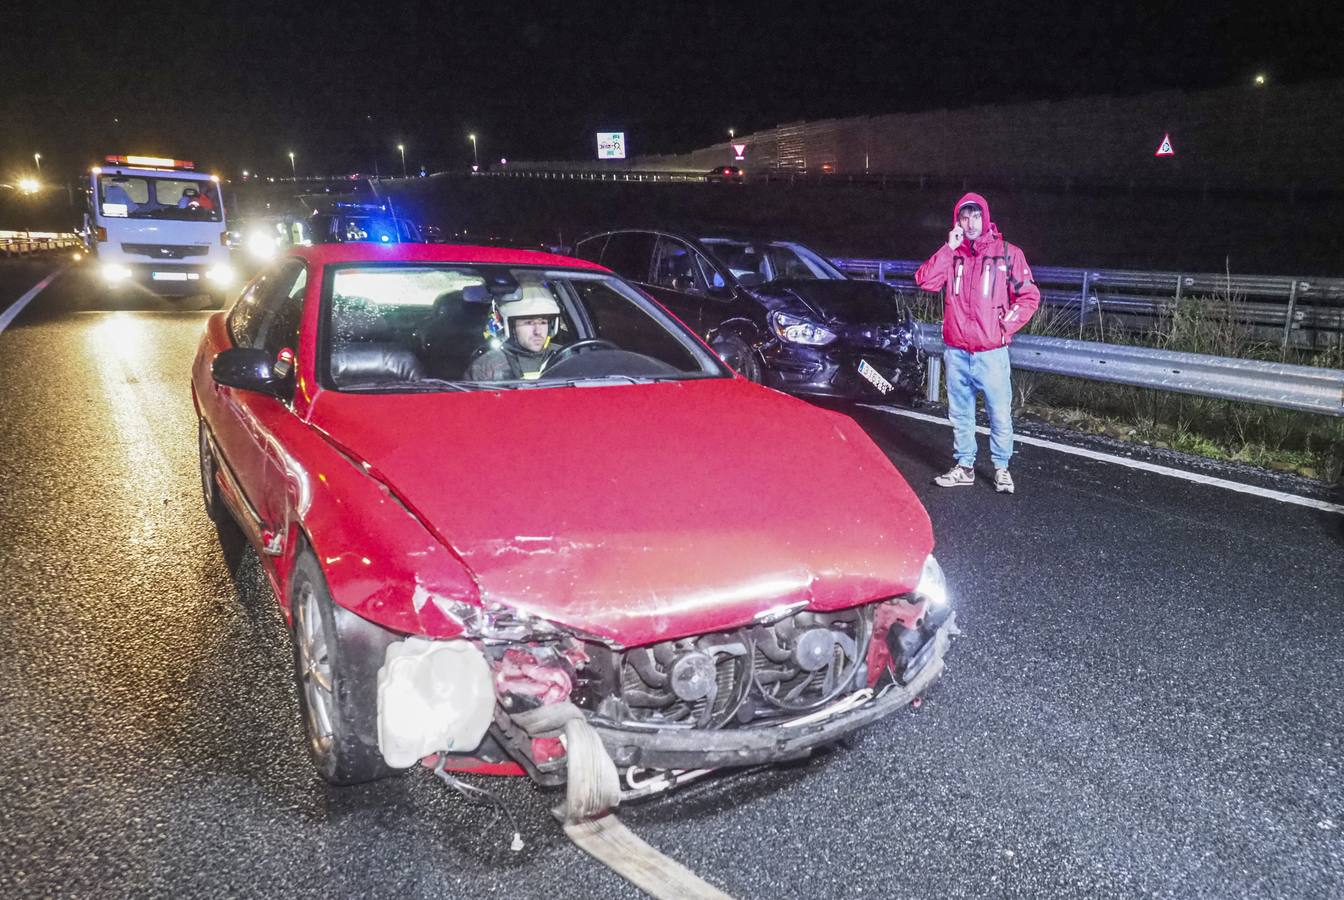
(502, 495)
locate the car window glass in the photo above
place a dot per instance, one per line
(628, 253)
(123, 195)
(591, 249)
(179, 199)
(404, 323)
(415, 326)
(409, 231)
(743, 258)
(788, 264)
(257, 308)
(280, 318)
(674, 266)
(709, 274)
(752, 262)
(618, 319)
(244, 319)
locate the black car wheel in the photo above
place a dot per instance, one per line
(214, 505)
(336, 660)
(738, 355)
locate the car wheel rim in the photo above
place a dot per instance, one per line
(731, 353)
(315, 672)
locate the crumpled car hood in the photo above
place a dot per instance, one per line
(850, 301)
(643, 513)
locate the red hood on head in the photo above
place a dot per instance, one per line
(990, 234)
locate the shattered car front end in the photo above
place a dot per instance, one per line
(774, 689)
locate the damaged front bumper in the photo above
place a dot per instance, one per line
(837, 370)
(691, 748)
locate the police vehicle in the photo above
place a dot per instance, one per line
(344, 221)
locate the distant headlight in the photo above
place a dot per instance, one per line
(261, 245)
(932, 583)
(115, 272)
(220, 274)
(800, 331)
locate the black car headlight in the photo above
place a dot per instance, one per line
(800, 331)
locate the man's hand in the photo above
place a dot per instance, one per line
(955, 237)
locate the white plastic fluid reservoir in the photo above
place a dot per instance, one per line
(432, 696)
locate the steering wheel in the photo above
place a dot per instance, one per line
(569, 350)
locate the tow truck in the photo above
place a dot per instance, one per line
(157, 225)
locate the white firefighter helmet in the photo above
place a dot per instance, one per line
(531, 301)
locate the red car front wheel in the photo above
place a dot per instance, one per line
(336, 660)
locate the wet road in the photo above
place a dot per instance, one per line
(1146, 700)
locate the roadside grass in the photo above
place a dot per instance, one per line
(1309, 444)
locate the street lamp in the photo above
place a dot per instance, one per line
(292, 169)
(474, 159)
(37, 158)
(732, 133)
(1260, 80)
(401, 148)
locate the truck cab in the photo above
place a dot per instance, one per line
(157, 225)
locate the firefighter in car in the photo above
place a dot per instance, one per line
(528, 322)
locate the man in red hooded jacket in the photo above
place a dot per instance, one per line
(988, 295)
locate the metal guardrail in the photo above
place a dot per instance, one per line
(557, 172)
(1287, 386)
(1310, 308)
(25, 243)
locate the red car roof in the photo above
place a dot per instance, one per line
(325, 254)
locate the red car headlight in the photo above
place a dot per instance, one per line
(499, 623)
(932, 583)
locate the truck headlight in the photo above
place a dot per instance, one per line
(114, 273)
(800, 331)
(932, 583)
(220, 274)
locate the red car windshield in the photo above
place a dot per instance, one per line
(446, 327)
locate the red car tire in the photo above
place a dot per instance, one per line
(336, 660)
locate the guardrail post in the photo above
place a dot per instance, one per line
(1082, 302)
(882, 270)
(933, 384)
(1288, 316)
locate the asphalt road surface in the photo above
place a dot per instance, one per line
(1146, 700)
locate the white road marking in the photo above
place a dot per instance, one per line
(12, 313)
(1195, 477)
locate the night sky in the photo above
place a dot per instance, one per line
(236, 85)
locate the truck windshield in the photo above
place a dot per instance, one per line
(145, 197)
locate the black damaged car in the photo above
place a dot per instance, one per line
(776, 311)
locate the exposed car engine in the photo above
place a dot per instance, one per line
(719, 680)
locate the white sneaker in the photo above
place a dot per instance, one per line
(1003, 482)
(957, 476)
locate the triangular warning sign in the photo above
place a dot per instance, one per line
(740, 151)
(1165, 149)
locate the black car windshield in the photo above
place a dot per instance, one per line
(755, 262)
(417, 327)
(170, 197)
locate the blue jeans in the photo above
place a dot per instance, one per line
(988, 373)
